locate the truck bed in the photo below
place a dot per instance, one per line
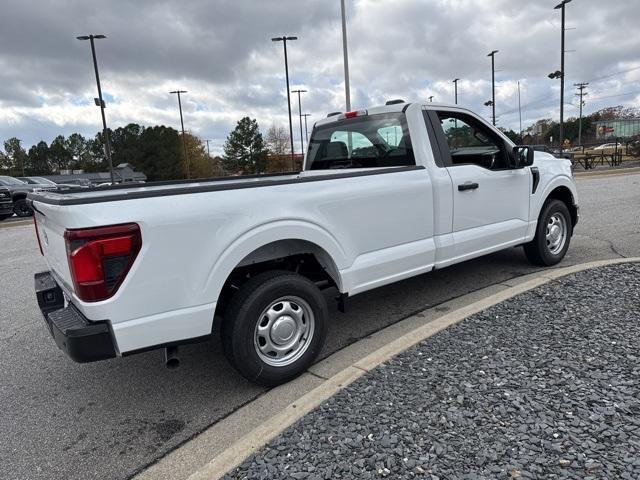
(181, 187)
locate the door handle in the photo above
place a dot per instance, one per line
(467, 186)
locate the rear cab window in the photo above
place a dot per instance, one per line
(366, 141)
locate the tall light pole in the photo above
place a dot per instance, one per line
(347, 89)
(493, 85)
(284, 39)
(520, 111)
(306, 130)
(184, 140)
(300, 117)
(431, 98)
(560, 7)
(100, 103)
(455, 84)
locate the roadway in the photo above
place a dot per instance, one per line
(110, 419)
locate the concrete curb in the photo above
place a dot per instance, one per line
(260, 436)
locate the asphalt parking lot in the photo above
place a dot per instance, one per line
(111, 419)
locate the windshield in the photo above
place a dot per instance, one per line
(8, 181)
(367, 141)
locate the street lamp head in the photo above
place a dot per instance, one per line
(492, 53)
(292, 38)
(455, 80)
(488, 103)
(277, 39)
(561, 4)
(556, 74)
(88, 37)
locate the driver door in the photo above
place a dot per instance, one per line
(490, 199)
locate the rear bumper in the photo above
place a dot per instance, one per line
(82, 340)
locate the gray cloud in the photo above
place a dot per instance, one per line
(221, 52)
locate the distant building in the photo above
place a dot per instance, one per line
(623, 128)
(124, 172)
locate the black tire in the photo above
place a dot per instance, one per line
(239, 337)
(21, 208)
(538, 250)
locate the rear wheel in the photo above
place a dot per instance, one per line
(274, 327)
(553, 235)
(21, 208)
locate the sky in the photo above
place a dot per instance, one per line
(221, 52)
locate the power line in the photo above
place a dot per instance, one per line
(597, 79)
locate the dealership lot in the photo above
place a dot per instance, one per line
(110, 419)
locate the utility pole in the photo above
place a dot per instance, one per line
(493, 85)
(306, 130)
(455, 84)
(520, 111)
(300, 117)
(284, 40)
(208, 154)
(184, 140)
(560, 7)
(347, 89)
(100, 102)
(581, 93)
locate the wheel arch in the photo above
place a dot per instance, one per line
(563, 190)
(275, 241)
(18, 196)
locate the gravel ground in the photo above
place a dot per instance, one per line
(545, 385)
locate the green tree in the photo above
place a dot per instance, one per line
(17, 154)
(125, 144)
(161, 157)
(244, 150)
(39, 159)
(59, 154)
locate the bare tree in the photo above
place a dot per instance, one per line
(277, 141)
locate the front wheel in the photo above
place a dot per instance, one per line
(274, 327)
(21, 208)
(553, 235)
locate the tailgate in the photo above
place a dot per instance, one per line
(50, 228)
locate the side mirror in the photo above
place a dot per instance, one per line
(522, 156)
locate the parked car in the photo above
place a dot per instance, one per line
(19, 191)
(606, 146)
(6, 203)
(76, 183)
(41, 181)
(133, 268)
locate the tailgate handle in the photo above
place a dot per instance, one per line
(467, 186)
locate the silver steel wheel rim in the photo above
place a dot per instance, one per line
(556, 235)
(284, 331)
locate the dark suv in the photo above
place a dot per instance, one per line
(6, 204)
(19, 190)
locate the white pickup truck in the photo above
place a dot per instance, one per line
(385, 194)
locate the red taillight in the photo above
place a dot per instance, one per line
(350, 114)
(35, 224)
(100, 258)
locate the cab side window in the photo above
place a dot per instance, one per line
(470, 142)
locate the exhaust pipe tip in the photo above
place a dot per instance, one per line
(171, 359)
